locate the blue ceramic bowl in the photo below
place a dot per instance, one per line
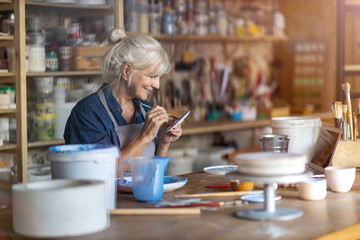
(235, 116)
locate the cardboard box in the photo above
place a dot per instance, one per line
(347, 154)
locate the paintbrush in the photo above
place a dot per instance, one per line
(345, 132)
(154, 211)
(356, 130)
(346, 87)
(207, 204)
(219, 194)
(337, 111)
(147, 106)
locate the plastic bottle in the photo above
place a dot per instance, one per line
(143, 10)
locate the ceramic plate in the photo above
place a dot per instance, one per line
(221, 170)
(179, 120)
(256, 198)
(170, 183)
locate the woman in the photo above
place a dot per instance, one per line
(115, 113)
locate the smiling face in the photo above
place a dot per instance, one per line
(143, 82)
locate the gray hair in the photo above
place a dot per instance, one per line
(140, 51)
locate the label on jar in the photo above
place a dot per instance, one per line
(51, 64)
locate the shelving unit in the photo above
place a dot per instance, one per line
(344, 69)
(19, 76)
(225, 39)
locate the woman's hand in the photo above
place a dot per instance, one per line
(154, 119)
(171, 136)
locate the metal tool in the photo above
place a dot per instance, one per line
(147, 106)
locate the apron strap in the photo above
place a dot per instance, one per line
(103, 101)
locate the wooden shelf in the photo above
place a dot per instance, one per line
(46, 143)
(222, 125)
(352, 6)
(69, 6)
(7, 38)
(351, 70)
(7, 74)
(215, 38)
(60, 74)
(7, 77)
(8, 113)
(228, 125)
(38, 144)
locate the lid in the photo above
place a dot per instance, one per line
(82, 152)
(295, 122)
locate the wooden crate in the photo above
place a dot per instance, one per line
(90, 51)
(347, 154)
(88, 58)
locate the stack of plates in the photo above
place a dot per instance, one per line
(271, 163)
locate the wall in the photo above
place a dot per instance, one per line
(308, 20)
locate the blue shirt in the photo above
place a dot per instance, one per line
(90, 123)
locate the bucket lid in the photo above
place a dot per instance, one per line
(295, 122)
(82, 152)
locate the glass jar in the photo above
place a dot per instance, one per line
(51, 61)
(168, 23)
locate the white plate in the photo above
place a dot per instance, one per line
(256, 198)
(179, 120)
(170, 183)
(221, 170)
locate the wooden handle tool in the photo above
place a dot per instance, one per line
(219, 194)
(155, 211)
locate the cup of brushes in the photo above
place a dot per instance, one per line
(344, 117)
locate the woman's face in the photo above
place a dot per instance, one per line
(143, 83)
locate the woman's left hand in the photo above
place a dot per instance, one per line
(171, 136)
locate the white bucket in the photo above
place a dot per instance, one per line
(302, 132)
(59, 208)
(86, 161)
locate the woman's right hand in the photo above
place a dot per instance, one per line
(156, 117)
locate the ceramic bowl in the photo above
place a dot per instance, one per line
(236, 185)
(313, 189)
(340, 179)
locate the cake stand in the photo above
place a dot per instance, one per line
(269, 212)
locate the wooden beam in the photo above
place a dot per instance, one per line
(20, 79)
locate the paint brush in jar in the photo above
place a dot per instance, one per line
(346, 87)
(358, 115)
(337, 111)
(355, 126)
(344, 125)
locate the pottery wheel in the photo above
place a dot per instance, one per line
(269, 212)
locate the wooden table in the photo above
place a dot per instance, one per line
(337, 211)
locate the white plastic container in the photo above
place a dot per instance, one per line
(37, 59)
(59, 208)
(302, 132)
(86, 161)
(62, 112)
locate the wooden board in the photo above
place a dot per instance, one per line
(347, 154)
